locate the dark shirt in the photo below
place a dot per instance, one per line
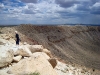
(17, 37)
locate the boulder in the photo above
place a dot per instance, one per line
(27, 50)
(17, 58)
(53, 62)
(4, 72)
(42, 54)
(36, 63)
(3, 41)
(6, 56)
(47, 52)
(23, 51)
(36, 48)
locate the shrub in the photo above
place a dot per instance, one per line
(35, 73)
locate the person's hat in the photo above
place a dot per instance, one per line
(15, 31)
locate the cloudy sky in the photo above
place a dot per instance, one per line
(49, 11)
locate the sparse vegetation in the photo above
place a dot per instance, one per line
(63, 71)
(35, 73)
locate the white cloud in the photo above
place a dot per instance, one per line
(97, 4)
(14, 11)
(73, 8)
(1, 5)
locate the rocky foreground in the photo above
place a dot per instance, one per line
(35, 59)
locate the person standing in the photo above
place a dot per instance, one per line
(17, 38)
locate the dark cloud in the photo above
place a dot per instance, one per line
(66, 14)
(94, 1)
(78, 15)
(28, 11)
(84, 6)
(62, 11)
(95, 10)
(30, 1)
(88, 7)
(66, 3)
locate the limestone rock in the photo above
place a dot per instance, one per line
(47, 52)
(36, 62)
(36, 48)
(4, 72)
(2, 41)
(42, 54)
(17, 58)
(23, 51)
(6, 56)
(27, 50)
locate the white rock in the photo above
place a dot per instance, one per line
(42, 54)
(4, 72)
(30, 65)
(36, 48)
(47, 52)
(17, 58)
(23, 51)
(6, 56)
